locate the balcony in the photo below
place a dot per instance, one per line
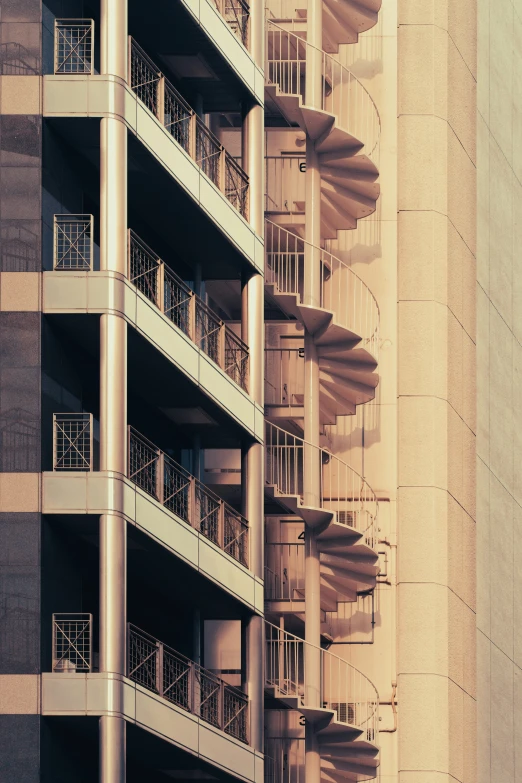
(160, 477)
(186, 497)
(160, 669)
(74, 41)
(188, 130)
(187, 311)
(73, 251)
(162, 691)
(236, 13)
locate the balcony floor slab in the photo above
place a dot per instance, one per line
(97, 492)
(97, 694)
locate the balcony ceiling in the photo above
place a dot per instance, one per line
(167, 30)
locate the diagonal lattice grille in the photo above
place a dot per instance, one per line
(72, 241)
(73, 46)
(72, 642)
(72, 441)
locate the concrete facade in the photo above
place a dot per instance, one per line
(499, 365)
(436, 392)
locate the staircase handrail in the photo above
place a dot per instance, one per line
(342, 291)
(344, 688)
(343, 491)
(360, 117)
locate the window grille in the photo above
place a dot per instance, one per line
(72, 441)
(73, 46)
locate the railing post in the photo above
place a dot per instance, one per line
(192, 310)
(192, 146)
(161, 286)
(160, 476)
(221, 345)
(221, 526)
(159, 668)
(160, 99)
(221, 707)
(222, 170)
(192, 504)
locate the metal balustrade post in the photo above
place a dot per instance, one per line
(221, 706)
(160, 99)
(192, 317)
(192, 134)
(161, 286)
(159, 669)
(222, 174)
(192, 504)
(160, 477)
(222, 339)
(221, 525)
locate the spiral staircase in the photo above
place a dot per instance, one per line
(345, 123)
(346, 725)
(317, 95)
(344, 323)
(345, 521)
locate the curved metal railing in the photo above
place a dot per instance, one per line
(342, 489)
(341, 290)
(343, 688)
(342, 94)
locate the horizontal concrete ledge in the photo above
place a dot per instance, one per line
(103, 292)
(110, 694)
(105, 493)
(110, 96)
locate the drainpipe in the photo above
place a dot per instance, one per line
(113, 393)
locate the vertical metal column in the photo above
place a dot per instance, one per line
(312, 456)
(252, 332)
(113, 389)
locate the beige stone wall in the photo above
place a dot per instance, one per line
(499, 381)
(436, 391)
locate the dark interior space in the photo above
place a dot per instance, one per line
(166, 597)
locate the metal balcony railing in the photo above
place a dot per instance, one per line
(72, 635)
(342, 489)
(72, 441)
(237, 14)
(343, 688)
(340, 290)
(176, 489)
(187, 129)
(73, 46)
(73, 242)
(341, 93)
(186, 684)
(187, 311)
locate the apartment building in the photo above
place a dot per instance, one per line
(259, 379)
